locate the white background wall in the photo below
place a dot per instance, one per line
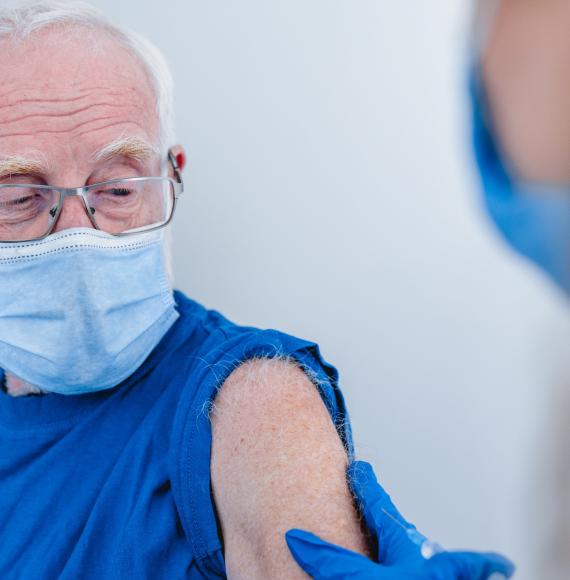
(330, 194)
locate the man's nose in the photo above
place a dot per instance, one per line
(73, 215)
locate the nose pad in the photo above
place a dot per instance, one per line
(73, 215)
(52, 215)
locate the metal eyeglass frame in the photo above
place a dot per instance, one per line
(177, 188)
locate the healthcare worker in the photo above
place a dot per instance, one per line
(519, 87)
(521, 133)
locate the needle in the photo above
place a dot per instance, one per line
(427, 547)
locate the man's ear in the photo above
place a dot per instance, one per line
(180, 155)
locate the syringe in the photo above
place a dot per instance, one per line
(428, 548)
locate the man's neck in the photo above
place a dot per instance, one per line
(16, 387)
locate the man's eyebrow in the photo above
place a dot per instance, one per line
(18, 165)
(135, 148)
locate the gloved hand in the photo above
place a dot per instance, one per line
(403, 553)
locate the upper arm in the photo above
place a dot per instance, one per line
(526, 69)
(277, 463)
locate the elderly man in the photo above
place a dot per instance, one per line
(142, 435)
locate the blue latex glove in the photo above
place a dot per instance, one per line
(399, 546)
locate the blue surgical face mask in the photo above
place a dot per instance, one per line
(81, 310)
(534, 219)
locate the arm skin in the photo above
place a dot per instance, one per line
(277, 463)
(526, 70)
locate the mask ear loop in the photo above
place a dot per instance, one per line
(167, 232)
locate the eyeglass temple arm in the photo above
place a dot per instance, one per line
(175, 166)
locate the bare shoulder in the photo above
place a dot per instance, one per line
(277, 463)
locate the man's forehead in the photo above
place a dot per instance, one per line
(63, 65)
(91, 95)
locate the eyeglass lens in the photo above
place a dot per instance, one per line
(28, 212)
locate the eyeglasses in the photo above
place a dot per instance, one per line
(120, 207)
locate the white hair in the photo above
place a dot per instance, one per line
(22, 19)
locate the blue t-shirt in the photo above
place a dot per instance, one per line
(116, 484)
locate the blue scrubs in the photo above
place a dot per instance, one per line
(116, 484)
